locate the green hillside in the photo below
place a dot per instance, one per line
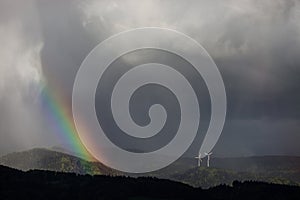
(45, 159)
(209, 177)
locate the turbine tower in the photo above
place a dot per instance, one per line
(208, 157)
(199, 159)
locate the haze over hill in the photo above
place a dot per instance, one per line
(274, 169)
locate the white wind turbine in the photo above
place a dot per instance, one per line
(208, 157)
(199, 159)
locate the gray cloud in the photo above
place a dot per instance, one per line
(255, 44)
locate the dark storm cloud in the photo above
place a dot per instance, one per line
(66, 42)
(255, 44)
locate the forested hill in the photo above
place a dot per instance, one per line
(272, 169)
(45, 159)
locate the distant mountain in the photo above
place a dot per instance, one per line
(209, 177)
(45, 159)
(273, 169)
(247, 164)
(37, 184)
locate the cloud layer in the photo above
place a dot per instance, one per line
(255, 44)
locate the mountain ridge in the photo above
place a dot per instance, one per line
(224, 170)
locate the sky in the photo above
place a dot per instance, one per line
(255, 45)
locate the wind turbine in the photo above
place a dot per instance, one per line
(208, 157)
(199, 159)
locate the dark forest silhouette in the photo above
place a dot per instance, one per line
(38, 184)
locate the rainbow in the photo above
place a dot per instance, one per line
(59, 114)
